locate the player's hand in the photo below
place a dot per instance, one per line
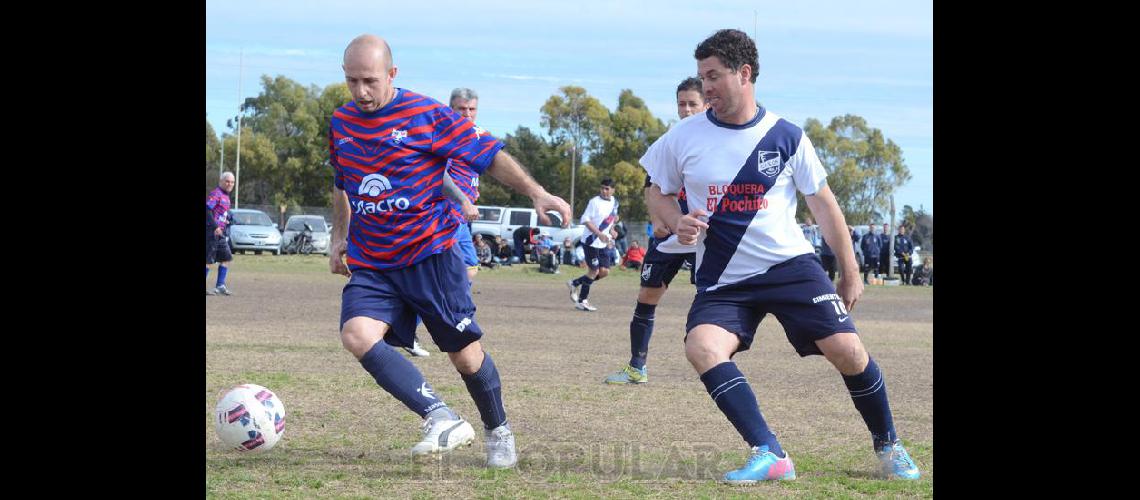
(545, 201)
(336, 258)
(605, 237)
(689, 227)
(849, 289)
(470, 212)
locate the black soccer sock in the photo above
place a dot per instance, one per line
(640, 330)
(732, 394)
(869, 393)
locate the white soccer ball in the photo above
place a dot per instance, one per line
(250, 419)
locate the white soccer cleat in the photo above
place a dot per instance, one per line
(573, 291)
(585, 306)
(500, 445)
(416, 350)
(442, 435)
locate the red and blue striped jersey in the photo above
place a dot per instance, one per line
(465, 178)
(219, 203)
(391, 164)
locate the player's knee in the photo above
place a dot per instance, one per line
(650, 295)
(700, 353)
(358, 335)
(845, 352)
(467, 360)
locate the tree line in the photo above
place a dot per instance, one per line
(284, 153)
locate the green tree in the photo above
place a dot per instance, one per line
(629, 187)
(863, 167)
(632, 128)
(576, 121)
(288, 127)
(212, 156)
(921, 225)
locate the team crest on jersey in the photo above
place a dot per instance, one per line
(768, 162)
(479, 131)
(399, 135)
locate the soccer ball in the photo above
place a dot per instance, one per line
(250, 418)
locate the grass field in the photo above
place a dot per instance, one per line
(577, 437)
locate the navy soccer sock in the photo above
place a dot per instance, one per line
(395, 374)
(583, 292)
(207, 272)
(486, 390)
(732, 394)
(222, 270)
(640, 329)
(869, 392)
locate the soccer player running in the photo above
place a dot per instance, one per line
(741, 166)
(600, 216)
(394, 239)
(664, 259)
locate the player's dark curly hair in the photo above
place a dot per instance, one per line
(734, 49)
(692, 83)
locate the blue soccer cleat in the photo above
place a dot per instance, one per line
(763, 465)
(896, 462)
(629, 375)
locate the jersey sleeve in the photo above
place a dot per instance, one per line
(334, 160)
(590, 213)
(807, 171)
(662, 166)
(457, 138)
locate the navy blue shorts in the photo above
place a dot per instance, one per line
(466, 246)
(659, 268)
(436, 289)
(218, 250)
(797, 292)
(598, 257)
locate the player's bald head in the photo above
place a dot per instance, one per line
(367, 48)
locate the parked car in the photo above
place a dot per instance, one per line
(503, 221)
(253, 230)
(316, 223)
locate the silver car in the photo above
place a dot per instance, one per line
(296, 224)
(254, 230)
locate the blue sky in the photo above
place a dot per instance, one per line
(818, 58)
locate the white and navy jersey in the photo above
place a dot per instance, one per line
(602, 213)
(745, 177)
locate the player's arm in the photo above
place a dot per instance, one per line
(509, 172)
(597, 232)
(830, 218)
(665, 208)
(339, 242)
(452, 191)
(660, 230)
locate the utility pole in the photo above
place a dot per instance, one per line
(237, 174)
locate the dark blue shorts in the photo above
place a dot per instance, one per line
(598, 257)
(466, 246)
(218, 250)
(797, 292)
(436, 289)
(659, 268)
